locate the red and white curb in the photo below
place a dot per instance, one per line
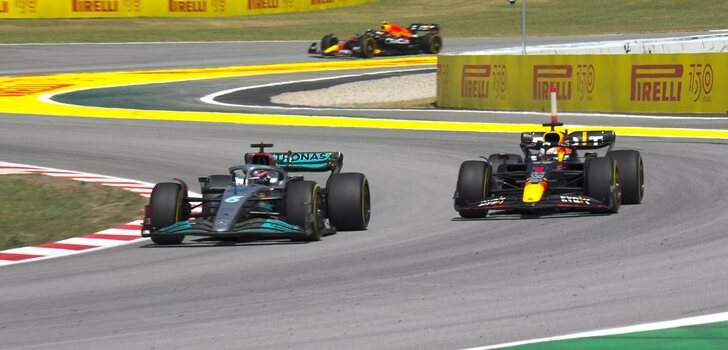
(124, 234)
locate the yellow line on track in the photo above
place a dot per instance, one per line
(22, 95)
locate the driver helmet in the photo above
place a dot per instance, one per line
(554, 138)
(559, 153)
(385, 25)
(259, 177)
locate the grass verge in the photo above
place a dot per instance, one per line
(37, 209)
(458, 18)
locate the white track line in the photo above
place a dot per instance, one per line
(683, 322)
(210, 99)
(128, 233)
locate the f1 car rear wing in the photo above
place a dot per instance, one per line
(578, 139)
(424, 27)
(305, 161)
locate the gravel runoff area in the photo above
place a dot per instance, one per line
(405, 88)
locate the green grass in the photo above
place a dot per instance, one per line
(38, 209)
(458, 18)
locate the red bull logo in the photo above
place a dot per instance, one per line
(545, 76)
(262, 4)
(656, 82)
(187, 6)
(95, 5)
(475, 82)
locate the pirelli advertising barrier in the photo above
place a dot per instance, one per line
(160, 8)
(648, 83)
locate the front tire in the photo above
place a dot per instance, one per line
(348, 201)
(328, 41)
(472, 186)
(631, 174)
(167, 201)
(602, 182)
(303, 205)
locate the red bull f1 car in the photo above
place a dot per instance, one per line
(262, 199)
(417, 38)
(552, 175)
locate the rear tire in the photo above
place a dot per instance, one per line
(304, 200)
(348, 201)
(367, 45)
(472, 186)
(602, 182)
(167, 201)
(431, 43)
(631, 175)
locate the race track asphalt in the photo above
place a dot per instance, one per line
(418, 278)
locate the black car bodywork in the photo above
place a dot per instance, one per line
(262, 199)
(533, 183)
(425, 38)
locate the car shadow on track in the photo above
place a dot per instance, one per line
(216, 242)
(530, 216)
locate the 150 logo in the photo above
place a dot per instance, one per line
(4, 8)
(132, 5)
(701, 81)
(443, 76)
(500, 81)
(585, 79)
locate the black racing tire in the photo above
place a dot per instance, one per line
(218, 183)
(167, 201)
(602, 181)
(303, 199)
(367, 45)
(497, 161)
(472, 186)
(348, 201)
(631, 175)
(327, 41)
(431, 43)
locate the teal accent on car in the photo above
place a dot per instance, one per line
(258, 225)
(308, 160)
(176, 227)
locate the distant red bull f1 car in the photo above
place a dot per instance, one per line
(415, 39)
(552, 176)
